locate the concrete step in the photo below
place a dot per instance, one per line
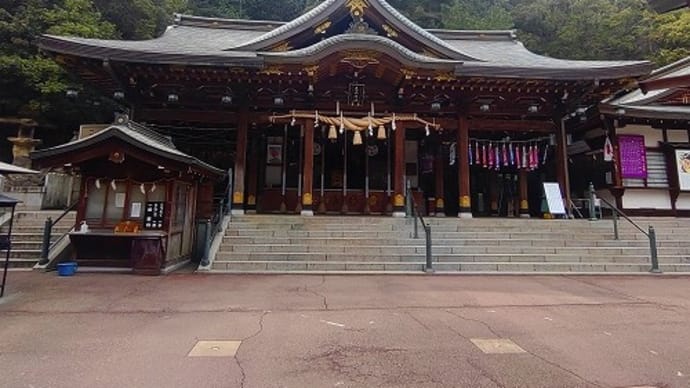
(438, 248)
(382, 244)
(33, 254)
(418, 267)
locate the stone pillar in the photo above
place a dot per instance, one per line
(240, 163)
(439, 177)
(524, 194)
(308, 172)
(463, 135)
(22, 146)
(399, 172)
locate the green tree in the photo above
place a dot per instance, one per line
(477, 15)
(217, 8)
(140, 19)
(670, 37)
(284, 10)
(584, 29)
(33, 85)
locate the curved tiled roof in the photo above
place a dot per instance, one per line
(178, 45)
(301, 23)
(225, 42)
(133, 133)
(343, 42)
(637, 103)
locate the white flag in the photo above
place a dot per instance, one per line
(608, 150)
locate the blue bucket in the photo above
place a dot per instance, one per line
(67, 269)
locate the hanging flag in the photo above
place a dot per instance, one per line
(608, 150)
(517, 157)
(491, 155)
(546, 155)
(478, 155)
(512, 154)
(524, 156)
(471, 154)
(531, 157)
(505, 155)
(498, 157)
(485, 161)
(452, 154)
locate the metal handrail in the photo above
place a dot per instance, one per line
(414, 211)
(650, 233)
(46, 245)
(217, 222)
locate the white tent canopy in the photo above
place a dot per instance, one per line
(6, 168)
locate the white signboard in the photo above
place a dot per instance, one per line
(554, 198)
(683, 166)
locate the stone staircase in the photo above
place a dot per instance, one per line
(27, 236)
(280, 244)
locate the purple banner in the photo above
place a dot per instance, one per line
(633, 156)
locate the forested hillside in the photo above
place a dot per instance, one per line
(33, 86)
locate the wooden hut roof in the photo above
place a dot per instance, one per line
(136, 135)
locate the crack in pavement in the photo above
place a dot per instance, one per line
(171, 310)
(665, 307)
(558, 366)
(483, 372)
(491, 329)
(243, 374)
(422, 324)
(495, 333)
(323, 297)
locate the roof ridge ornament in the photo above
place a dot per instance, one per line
(357, 7)
(359, 26)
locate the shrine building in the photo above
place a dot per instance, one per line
(339, 110)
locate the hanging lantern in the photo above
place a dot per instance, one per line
(393, 124)
(382, 133)
(142, 188)
(113, 185)
(332, 135)
(357, 139)
(427, 130)
(98, 184)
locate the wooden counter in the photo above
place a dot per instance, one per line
(144, 252)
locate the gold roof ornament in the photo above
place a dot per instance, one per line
(357, 7)
(390, 31)
(323, 27)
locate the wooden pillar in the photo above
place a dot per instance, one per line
(240, 163)
(399, 172)
(439, 175)
(562, 163)
(617, 189)
(252, 172)
(464, 168)
(524, 194)
(308, 172)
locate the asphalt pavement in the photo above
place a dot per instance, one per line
(109, 330)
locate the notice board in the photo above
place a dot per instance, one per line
(554, 198)
(633, 156)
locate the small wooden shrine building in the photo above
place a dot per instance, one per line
(650, 132)
(335, 111)
(139, 196)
